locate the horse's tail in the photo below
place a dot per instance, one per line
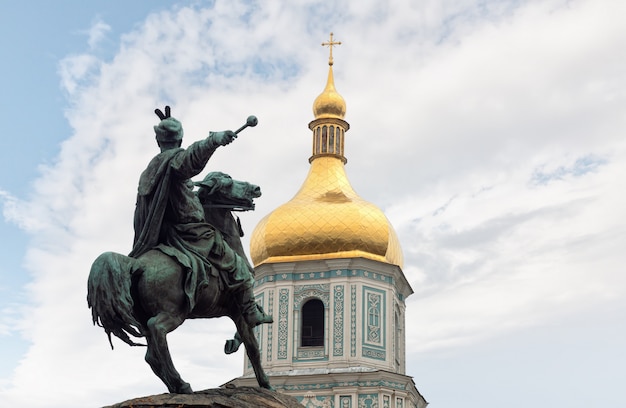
(109, 297)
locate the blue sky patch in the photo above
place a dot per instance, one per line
(580, 167)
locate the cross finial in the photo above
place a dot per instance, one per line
(330, 45)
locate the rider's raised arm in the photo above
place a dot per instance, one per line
(190, 162)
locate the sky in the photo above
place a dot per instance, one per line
(490, 132)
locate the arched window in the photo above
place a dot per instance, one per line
(312, 333)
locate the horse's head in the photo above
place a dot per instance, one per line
(220, 190)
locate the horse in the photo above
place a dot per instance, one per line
(145, 297)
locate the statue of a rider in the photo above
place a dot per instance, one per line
(169, 218)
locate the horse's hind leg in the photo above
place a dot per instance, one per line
(158, 354)
(252, 350)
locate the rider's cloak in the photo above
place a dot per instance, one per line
(169, 217)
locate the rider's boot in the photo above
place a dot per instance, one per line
(252, 313)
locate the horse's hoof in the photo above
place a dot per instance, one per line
(264, 382)
(185, 389)
(231, 346)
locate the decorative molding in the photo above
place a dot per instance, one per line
(377, 271)
(308, 353)
(302, 292)
(324, 386)
(374, 318)
(338, 311)
(368, 401)
(283, 323)
(375, 354)
(292, 276)
(312, 401)
(353, 321)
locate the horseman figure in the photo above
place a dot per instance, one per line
(181, 266)
(170, 218)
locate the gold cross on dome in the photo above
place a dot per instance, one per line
(330, 45)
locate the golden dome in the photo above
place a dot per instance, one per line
(326, 219)
(329, 104)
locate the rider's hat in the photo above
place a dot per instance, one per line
(169, 129)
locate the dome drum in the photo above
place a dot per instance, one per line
(328, 139)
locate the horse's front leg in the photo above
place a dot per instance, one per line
(252, 350)
(158, 354)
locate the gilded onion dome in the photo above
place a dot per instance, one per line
(326, 218)
(329, 104)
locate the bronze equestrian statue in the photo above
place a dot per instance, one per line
(187, 260)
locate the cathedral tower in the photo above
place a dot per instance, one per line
(329, 269)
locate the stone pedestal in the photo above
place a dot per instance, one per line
(235, 397)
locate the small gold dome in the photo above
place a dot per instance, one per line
(329, 104)
(326, 219)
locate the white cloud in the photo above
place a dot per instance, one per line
(513, 254)
(74, 70)
(12, 212)
(97, 32)
(492, 135)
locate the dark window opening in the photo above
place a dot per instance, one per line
(312, 323)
